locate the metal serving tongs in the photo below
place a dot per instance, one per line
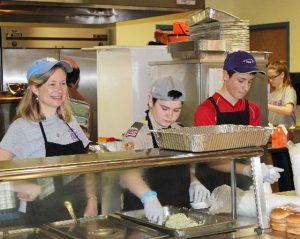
(70, 209)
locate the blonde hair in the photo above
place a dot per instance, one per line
(29, 107)
(279, 67)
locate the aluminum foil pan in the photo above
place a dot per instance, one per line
(208, 224)
(208, 15)
(211, 138)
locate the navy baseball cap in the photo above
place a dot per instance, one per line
(41, 66)
(241, 62)
(161, 88)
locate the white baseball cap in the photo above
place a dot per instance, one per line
(162, 87)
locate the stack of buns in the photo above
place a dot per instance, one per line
(286, 219)
(293, 223)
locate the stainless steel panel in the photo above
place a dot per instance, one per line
(190, 74)
(90, 11)
(53, 37)
(17, 61)
(7, 113)
(87, 62)
(200, 75)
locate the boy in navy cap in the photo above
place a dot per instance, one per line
(228, 106)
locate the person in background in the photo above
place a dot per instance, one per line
(80, 107)
(282, 100)
(44, 127)
(171, 185)
(282, 107)
(229, 106)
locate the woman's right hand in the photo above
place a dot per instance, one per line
(26, 190)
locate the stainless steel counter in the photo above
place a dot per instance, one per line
(104, 162)
(6, 97)
(63, 165)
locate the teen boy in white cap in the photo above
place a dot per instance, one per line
(171, 185)
(228, 106)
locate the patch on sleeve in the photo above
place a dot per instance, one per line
(134, 130)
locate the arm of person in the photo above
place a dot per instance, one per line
(287, 109)
(91, 209)
(270, 173)
(133, 181)
(26, 190)
(225, 167)
(5, 155)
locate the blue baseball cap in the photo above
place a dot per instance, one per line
(41, 66)
(241, 62)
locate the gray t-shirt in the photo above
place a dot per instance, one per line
(281, 97)
(25, 140)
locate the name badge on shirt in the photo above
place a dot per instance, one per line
(73, 135)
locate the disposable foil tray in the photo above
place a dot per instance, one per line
(208, 224)
(211, 138)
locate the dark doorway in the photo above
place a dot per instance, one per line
(273, 38)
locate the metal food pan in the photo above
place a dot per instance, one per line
(211, 138)
(208, 15)
(104, 227)
(208, 224)
(24, 233)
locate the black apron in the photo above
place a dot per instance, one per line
(171, 183)
(204, 173)
(51, 208)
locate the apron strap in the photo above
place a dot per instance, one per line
(72, 130)
(43, 132)
(150, 126)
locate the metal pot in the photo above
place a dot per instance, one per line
(17, 89)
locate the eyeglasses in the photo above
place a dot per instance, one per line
(273, 77)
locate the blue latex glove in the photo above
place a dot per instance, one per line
(153, 210)
(198, 192)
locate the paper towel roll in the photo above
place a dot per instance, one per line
(294, 151)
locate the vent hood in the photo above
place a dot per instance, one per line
(90, 11)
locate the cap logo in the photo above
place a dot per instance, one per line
(50, 59)
(248, 61)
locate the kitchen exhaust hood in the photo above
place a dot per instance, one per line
(90, 11)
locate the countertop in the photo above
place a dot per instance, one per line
(6, 97)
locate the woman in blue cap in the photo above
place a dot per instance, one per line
(44, 127)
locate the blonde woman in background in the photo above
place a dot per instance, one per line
(282, 106)
(283, 99)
